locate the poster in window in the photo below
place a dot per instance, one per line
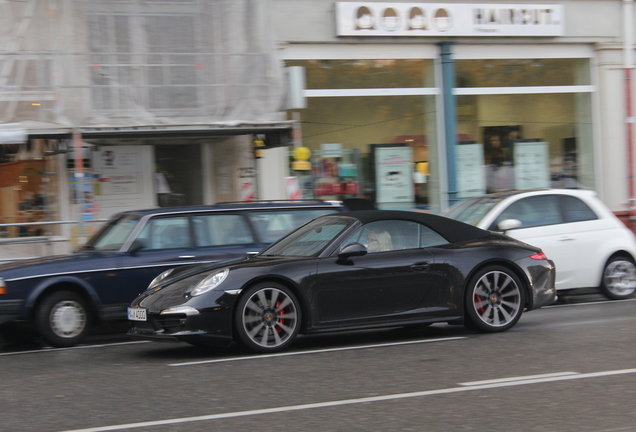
(531, 164)
(117, 170)
(471, 181)
(394, 174)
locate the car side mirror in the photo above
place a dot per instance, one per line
(136, 246)
(350, 250)
(509, 224)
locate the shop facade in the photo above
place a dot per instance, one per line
(112, 106)
(459, 99)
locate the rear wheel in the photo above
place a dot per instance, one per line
(63, 319)
(619, 278)
(267, 317)
(494, 300)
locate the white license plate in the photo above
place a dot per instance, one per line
(137, 314)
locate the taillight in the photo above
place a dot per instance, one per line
(539, 256)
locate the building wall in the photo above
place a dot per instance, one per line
(596, 25)
(272, 169)
(612, 165)
(311, 21)
(102, 63)
(126, 182)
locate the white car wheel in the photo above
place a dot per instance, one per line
(619, 278)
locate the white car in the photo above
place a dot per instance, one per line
(589, 245)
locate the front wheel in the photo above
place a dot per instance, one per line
(494, 300)
(267, 317)
(63, 319)
(619, 278)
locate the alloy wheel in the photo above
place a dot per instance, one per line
(497, 299)
(270, 318)
(619, 278)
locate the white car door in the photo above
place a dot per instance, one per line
(566, 229)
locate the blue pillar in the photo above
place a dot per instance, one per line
(450, 134)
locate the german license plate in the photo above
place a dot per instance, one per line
(137, 314)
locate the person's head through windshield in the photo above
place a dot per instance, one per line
(379, 240)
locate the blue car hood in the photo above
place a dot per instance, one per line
(58, 263)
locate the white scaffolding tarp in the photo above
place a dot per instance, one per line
(13, 134)
(89, 63)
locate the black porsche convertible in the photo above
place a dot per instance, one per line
(352, 270)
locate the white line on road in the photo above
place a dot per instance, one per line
(71, 348)
(502, 380)
(286, 354)
(521, 381)
(589, 303)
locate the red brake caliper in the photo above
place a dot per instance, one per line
(281, 320)
(481, 309)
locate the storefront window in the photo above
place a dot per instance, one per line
(178, 176)
(382, 73)
(345, 133)
(524, 138)
(522, 72)
(28, 191)
(381, 147)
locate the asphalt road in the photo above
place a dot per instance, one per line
(568, 367)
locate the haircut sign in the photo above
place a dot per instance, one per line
(448, 19)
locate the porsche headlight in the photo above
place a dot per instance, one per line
(159, 278)
(210, 282)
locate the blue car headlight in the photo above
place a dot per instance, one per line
(210, 282)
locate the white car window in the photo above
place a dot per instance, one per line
(533, 211)
(576, 210)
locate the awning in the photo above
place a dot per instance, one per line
(13, 136)
(275, 133)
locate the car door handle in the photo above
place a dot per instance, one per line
(187, 256)
(566, 238)
(420, 266)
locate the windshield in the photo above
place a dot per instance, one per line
(113, 235)
(273, 224)
(310, 239)
(473, 210)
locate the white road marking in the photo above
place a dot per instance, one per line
(71, 348)
(589, 303)
(521, 378)
(517, 382)
(286, 354)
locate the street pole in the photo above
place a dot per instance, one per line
(628, 29)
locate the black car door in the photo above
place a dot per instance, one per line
(383, 285)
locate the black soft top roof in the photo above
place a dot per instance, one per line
(452, 230)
